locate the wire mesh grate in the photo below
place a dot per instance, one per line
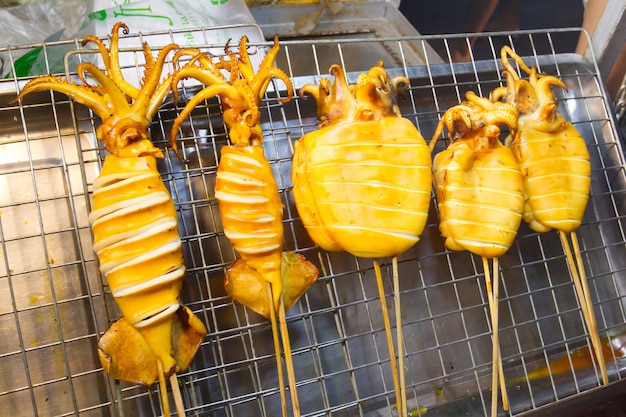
(54, 305)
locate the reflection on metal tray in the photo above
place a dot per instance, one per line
(53, 306)
(374, 19)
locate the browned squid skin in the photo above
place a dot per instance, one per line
(362, 181)
(245, 188)
(552, 154)
(244, 283)
(134, 220)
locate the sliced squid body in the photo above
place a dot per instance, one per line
(362, 182)
(554, 162)
(251, 210)
(137, 242)
(551, 152)
(479, 190)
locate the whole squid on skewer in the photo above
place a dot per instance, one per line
(554, 161)
(479, 191)
(264, 278)
(134, 223)
(362, 181)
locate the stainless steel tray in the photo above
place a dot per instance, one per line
(54, 306)
(373, 19)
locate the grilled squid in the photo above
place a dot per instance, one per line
(478, 184)
(264, 278)
(552, 154)
(480, 197)
(245, 188)
(556, 169)
(362, 181)
(134, 222)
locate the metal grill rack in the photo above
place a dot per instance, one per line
(54, 306)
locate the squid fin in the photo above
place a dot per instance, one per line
(246, 286)
(125, 355)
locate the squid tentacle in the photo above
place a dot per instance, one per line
(270, 57)
(493, 113)
(119, 102)
(498, 94)
(507, 52)
(236, 70)
(251, 115)
(79, 93)
(104, 53)
(194, 55)
(150, 62)
(334, 100)
(543, 87)
(114, 67)
(244, 58)
(192, 103)
(205, 77)
(146, 97)
(260, 84)
(457, 120)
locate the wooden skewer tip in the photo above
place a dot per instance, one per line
(388, 334)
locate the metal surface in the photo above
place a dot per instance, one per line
(619, 103)
(53, 305)
(374, 19)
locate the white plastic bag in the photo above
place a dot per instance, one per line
(33, 22)
(161, 15)
(78, 18)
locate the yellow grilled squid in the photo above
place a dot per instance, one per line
(556, 168)
(133, 220)
(362, 181)
(552, 154)
(478, 184)
(264, 278)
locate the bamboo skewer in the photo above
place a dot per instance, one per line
(400, 402)
(497, 375)
(165, 403)
(582, 273)
(495, 300)
(495, 342)
(178, 399)
(282, 319)
(581, 286)
(396, 291)
(279, 363)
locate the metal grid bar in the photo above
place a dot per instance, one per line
(54, 306)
